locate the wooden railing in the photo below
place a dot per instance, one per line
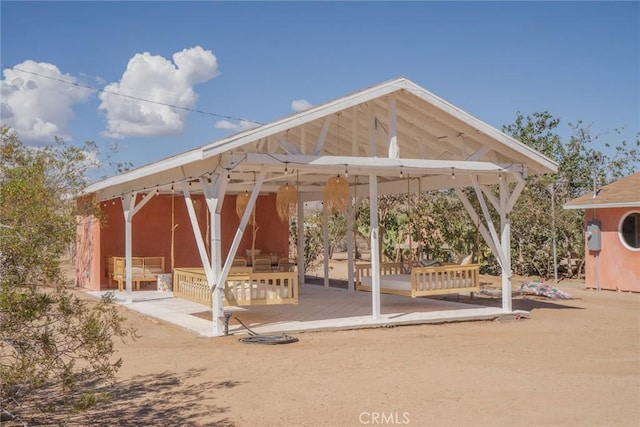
(191, 284)
(241, 289)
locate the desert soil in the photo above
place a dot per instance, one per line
(573, 362)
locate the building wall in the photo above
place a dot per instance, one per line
(151, 234)
(619, 267)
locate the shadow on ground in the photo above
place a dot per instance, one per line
(150, 400)
(527, 303)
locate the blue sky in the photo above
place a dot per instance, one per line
(578, 60)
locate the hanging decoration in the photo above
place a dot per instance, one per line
(286, 201)
(336, 194)
(336, 191)
(242, 200)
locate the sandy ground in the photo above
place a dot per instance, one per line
(573, 362)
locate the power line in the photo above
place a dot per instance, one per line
(136, 98)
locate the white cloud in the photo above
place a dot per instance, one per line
(39, 108)
(241, 125)
(157, 79)
(300, 105)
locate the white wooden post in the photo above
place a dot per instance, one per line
(300, 259)
(215, 197)
(375, 248)
(505, 242)
(128, 203)
(130, 208)
(351, 209)
(325, 240)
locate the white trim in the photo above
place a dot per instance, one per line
(364, 165)
(604, 205)
(197, 234)
(619, 231)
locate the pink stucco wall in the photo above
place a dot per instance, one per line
(151, 234)
(619, 266)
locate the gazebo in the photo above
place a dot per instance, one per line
(375, 139)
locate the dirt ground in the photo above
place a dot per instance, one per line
(574, 362)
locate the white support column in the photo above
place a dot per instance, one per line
(128, 204)
(325, 241)
(130, 208)
(202, 250)
(351, 209)
(375, 247)
(505, 242)
(214, 195)
(301, 238)
(500, 246)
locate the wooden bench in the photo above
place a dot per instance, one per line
(143, 269)
(421, 281)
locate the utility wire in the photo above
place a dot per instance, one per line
(136, 98)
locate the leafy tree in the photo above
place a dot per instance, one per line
(581, 166)
(55, 350)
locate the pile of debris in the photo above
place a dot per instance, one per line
(540, 289)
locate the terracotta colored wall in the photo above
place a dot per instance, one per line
(151, 233)
(619, 266)
(272, 236)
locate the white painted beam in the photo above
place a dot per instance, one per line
(363, 165)
(481, 227)
(323, 135)
(195, 227)
(487, 217)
